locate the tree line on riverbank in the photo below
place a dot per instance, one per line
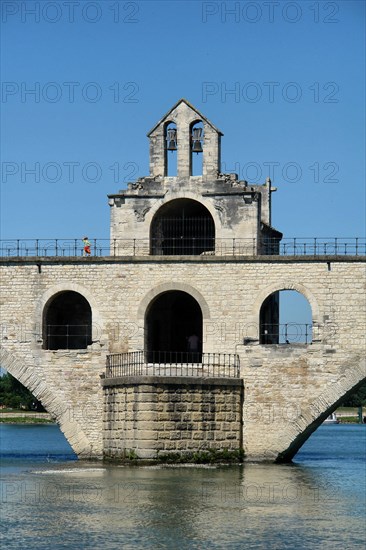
(13, 395)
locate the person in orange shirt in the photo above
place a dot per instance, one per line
(86, 251)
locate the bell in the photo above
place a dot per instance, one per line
(197, 140)
(172, 145)
(172, 139)
(197, 146)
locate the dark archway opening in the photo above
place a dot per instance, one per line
(182, 227)
(285, 318)
(67, 322)
(174, 329)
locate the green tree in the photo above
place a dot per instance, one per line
(357, 399)
(14, 395)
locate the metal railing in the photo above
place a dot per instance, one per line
(196, 246)
(173, 363)
(286, 333)
(67, 336)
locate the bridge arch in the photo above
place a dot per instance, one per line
(312, 415)
(51, 402)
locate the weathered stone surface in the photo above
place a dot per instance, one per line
(175, 429)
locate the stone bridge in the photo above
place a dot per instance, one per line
(289, 389)
(193, 266)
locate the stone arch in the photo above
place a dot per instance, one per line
(51, 402)
(287, 285)
(352, 376)
(165, 287)
(67, 322)
(182, 226)
(184, 195)
(97, 325)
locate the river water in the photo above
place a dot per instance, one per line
(52, 501)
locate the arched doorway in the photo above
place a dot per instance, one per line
(182, 227)
(67, 322)
(285, 318)
(174, 328)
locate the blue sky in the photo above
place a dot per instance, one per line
(103, 73)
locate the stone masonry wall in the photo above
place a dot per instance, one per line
(287, 388)
(165, 415)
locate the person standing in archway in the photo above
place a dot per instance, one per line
(193, 344)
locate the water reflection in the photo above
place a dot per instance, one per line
(92, 505)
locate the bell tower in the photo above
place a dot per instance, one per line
(185, 130)
(192, 209)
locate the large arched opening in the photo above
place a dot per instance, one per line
(174, 328)
(67, 322)
(182, 227)
(285, 318)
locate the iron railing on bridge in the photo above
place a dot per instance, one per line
(173, 363)
(286, 333)
(210, 246)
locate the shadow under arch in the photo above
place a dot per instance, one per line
(54, 290)
(165, 287)
(67, 321)
(50, 401)
(174, 328)
(312, 416)
(182, 226)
